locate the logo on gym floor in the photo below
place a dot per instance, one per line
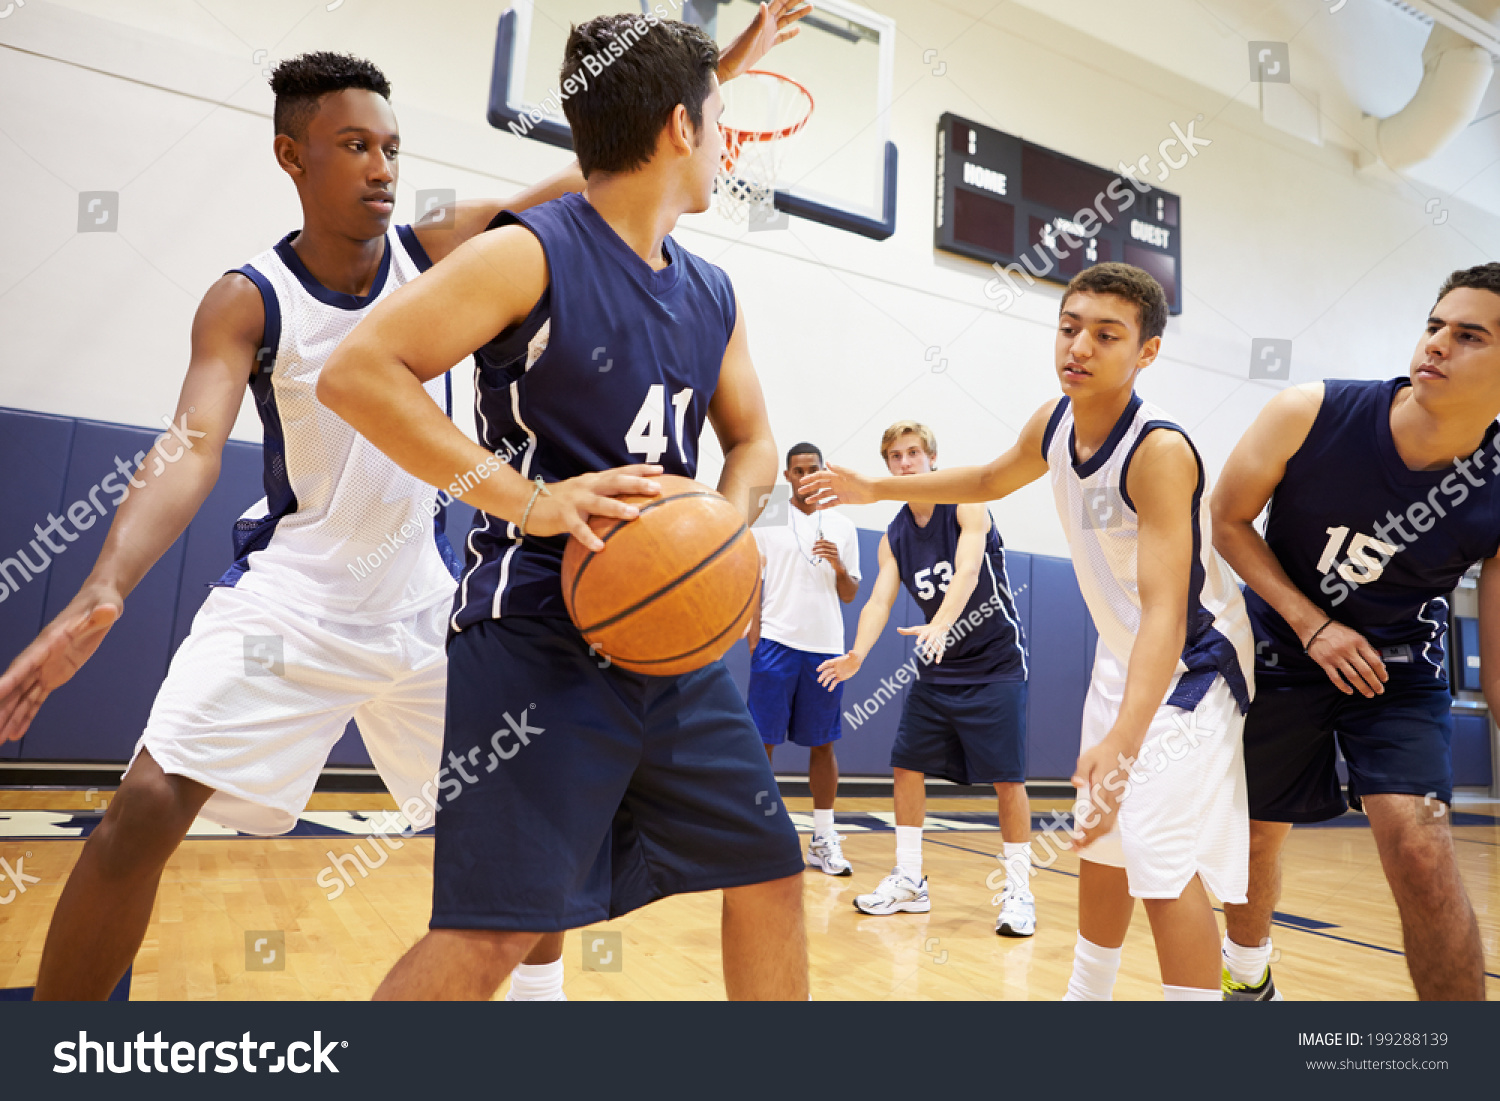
(603, 950)
(263, 656)
(265, 950)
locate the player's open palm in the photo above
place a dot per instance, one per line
(775, 23)
(1349, 660)
(932, 640)
(838, 485)
(836, 671)
(58, 652)
(564, 508)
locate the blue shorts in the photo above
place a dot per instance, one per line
(1399, 743)
(580, 793)
(965, 733)
(786, 700)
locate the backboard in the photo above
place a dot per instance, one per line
(840, 170)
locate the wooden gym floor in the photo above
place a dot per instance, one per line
(1339, 937)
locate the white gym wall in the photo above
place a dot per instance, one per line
(163, 102)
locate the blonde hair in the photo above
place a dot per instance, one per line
(903, 428)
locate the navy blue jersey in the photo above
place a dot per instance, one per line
(986, 643)
(1374, 544)
(615, 365)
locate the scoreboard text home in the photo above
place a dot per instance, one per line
(1035, 214)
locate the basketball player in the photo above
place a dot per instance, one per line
(810, 566)
(246, 751)
(629, 788)
(1382, 494)
(1172, 674)
(965, 718)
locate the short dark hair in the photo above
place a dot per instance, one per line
(1130, 283)
(1486, 277)
(803, 449)
(300, 82)
(632, 72)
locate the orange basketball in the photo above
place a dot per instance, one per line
(672, 590)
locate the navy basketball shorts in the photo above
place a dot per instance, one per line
(785, 699)
(573, 793)
(1399, 742)
(965, 733)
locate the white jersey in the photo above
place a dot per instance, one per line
(1100, 522)
(800, 599)
(343, 532)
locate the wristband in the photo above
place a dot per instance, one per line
(1308, 648)
(541, 487)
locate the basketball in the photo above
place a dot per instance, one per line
(672, 590)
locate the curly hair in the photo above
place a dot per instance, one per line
(1130, 283)
(300, 82)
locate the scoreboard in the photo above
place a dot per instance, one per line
(1012, 202)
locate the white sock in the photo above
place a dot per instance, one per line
(537, 982)
(1247, 965)
(1094, 971)
(909, 851)
(822, 822)
(1017, 860)
(1191, 994)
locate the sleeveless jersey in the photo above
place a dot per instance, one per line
(343, 533)
(615, 365)
(1100, 521)
(1375, 545)
(986, 643)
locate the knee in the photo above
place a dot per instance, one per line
(780, 894)
(145, 822)
(821, 753)
(1266, 839)
(1420, 859)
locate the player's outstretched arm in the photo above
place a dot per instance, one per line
(155, 502)
(932, 638)
(737, 412)
(1250, 476)
(442, 229)
(872, 620)
(374, 381)
(1161, 482)
(1023, 464)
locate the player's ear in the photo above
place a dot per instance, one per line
(680, 132)
(1148, 353)
(289, 156)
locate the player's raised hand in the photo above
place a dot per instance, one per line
(58, 652)
(565, 507)
(775, 23)
(1101, 777)
(836, 671)
(838, 485)
(1349, 660)
(932, 639)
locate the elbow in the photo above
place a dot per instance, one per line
(333, 386)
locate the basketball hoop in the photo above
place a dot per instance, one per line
(766, 108)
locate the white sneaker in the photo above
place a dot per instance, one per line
(897, 893)
(1017, 913)
(826, 853)
(510, 996)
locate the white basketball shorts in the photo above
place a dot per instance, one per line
(258, 694)
(1186, 811)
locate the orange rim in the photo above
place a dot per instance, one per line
(735, 138)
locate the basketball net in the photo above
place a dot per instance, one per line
(761, 110)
